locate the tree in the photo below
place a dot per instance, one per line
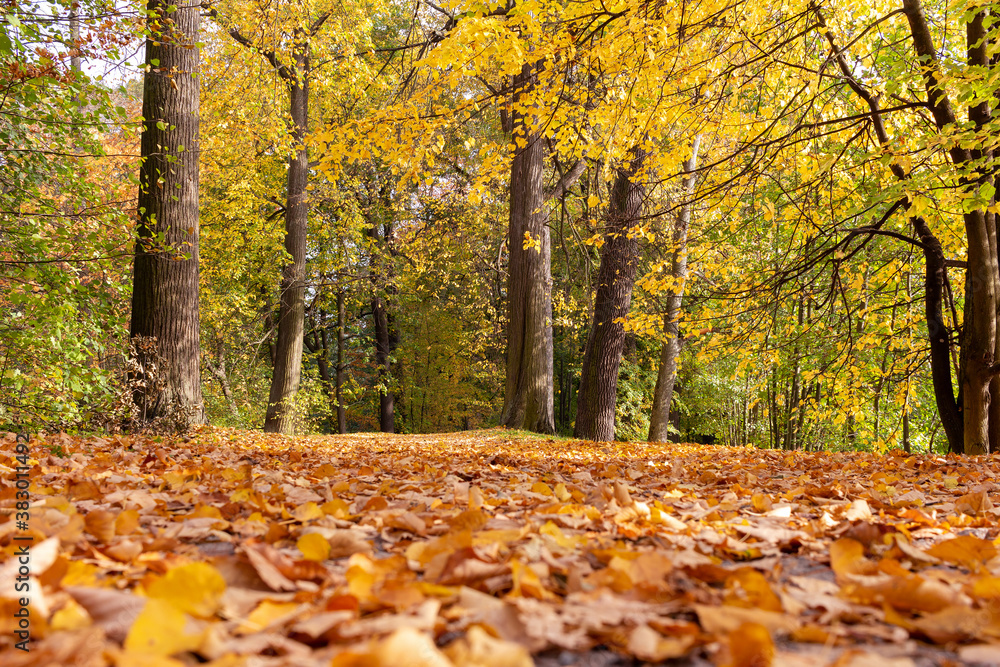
(528, 394)
(295, 73)
(165, 274)
(659, 419)
(595, 406)
(64, 226)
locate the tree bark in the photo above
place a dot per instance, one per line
(341, 361)
(663, 394)
(220, 374)
(165, 287)
(291, 312)
(595, 405)
(938, 335)
(528, 393)
(385, 343)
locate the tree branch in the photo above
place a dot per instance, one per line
(567, 180)
(283, 71)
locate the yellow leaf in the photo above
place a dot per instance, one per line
(128, 659)
(542, 488)
(265, 614)
(307, 512)
(127, 522)
(100, 524)
(986, 588)
(195, 588)
(314, 547)
(336, 508)
(478, 649)
(761, 502)
(751, 644)
(71, 617)
(407, 647)
(562, 493)
(161, 630)
(847, 557)
(476, 499)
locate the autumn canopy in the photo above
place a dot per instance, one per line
(323, 324)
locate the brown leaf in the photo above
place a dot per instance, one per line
(100, 524)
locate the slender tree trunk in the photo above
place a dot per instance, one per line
(906, 428)
(385, 341)
(74, 33)
(220, 374)
(341, 361)
(670, 352)
(165, 287)
(528, 393)
(938, 335)
(291, 313)
(595, 404)
(318, 344)
(386, 337)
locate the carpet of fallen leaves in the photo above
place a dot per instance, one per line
(480, 549)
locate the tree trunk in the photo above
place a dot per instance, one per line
(595, 405)
(318, 344)
(385, 343)
(528, 394)
(75, 62)
(341, 362)
(219, 371)
(165, 288)
(906, 428)
(659, 418)
(291, 313)
(938, 335)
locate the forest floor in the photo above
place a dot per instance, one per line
(493, 549)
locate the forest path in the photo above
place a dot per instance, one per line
(373, 549)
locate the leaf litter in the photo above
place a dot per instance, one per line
(483, 549)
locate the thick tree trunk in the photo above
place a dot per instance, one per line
(528, 394)
(165, 288)
(291, 313)
(595, 404)
(663, 394)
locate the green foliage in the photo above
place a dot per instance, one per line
(64, 231)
